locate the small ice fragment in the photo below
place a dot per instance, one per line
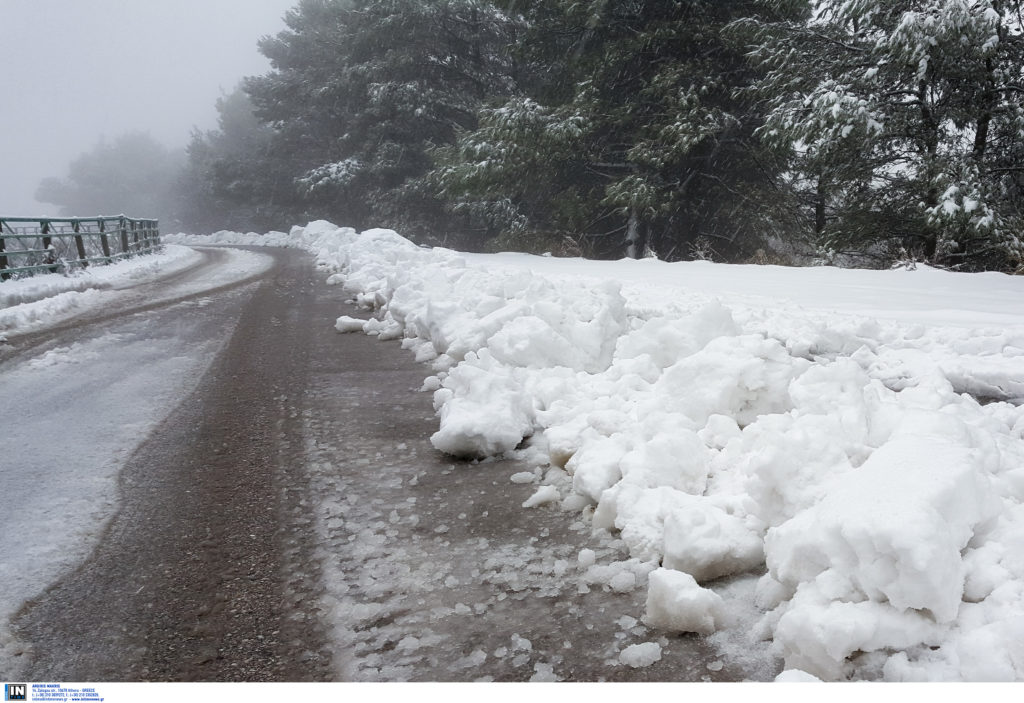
(522, 477)
(521, 643)
(475, 659)
(349, 324)
(640, 655)
(544, 672)
(544, 494)
(586, 558)
(408, 644)
(626, 622)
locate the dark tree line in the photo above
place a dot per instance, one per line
(852, 131)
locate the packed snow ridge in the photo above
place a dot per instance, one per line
(36, 300)
(870, 467)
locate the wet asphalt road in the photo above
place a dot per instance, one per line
(290, 521)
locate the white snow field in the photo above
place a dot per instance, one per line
(852, 439)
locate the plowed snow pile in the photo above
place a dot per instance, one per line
(855, 436)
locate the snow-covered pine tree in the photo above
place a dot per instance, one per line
(362, 89)
(627, 131)
(903, 120)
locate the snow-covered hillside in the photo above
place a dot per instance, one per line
(854, 436)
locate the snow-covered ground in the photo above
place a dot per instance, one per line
(73, 412)
(853, 439)
(40, 300)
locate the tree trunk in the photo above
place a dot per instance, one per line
(819, 208)
(634, 243)
(930, 144)
(985, 118)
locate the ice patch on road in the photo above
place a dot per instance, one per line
(73, 415)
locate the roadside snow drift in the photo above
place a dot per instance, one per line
(39, 299)
(854, 436)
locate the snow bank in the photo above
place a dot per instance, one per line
(857, 460)
(26, 301)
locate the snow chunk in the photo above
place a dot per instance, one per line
(430, 384)
(818, 637)
(796, 676)
(349, 324)
(623, 582)
(586, 558)
(877, 563)
(484, 410)
(675, 602)
(895, 527)
(707, 542)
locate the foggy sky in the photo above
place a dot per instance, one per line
(73, 71)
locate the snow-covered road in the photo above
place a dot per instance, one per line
(78, 397)
(827, 480)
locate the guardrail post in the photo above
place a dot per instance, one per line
(135, 237)
(104, 242)
(124, 237)
(4, 275)
(79, 244)
(48, 257)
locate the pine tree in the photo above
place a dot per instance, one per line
(362, 90)
(238, 176)
(902, 119)
(626, 131)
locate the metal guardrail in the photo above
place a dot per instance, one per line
(30, 245)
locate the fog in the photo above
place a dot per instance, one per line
(73, 72)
